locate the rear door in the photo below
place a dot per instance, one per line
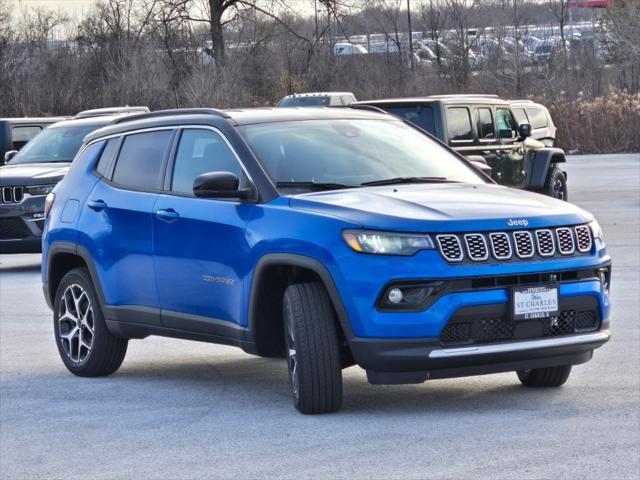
(118, 217)
(201, 251)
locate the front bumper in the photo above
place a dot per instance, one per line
(21, 226)
(414, 361)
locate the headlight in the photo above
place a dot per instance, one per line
(596, 230)
(384, 243)
(37, 190)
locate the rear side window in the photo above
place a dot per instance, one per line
(21, 135)
(486, 129)
(420, 116)
(537, 117)
(139, 164)
(459, 124)
(106, 159)
(201, 151)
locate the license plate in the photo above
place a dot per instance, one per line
(535, 302)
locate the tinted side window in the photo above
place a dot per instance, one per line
(106, 159)
(521, 117)
(420, 116)
(201, 151)
(140, 160)
(459, 124)
(537, 117)
(485, 124)
(506, 123)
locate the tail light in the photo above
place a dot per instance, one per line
(48, 203)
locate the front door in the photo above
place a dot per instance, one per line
(512, 157)
(200, 246)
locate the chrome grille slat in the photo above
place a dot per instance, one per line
(500, 245)
(583, 238)
(476, 247)
(544, 241)
(450, 248)
(523, 244)
(566, 245)
(11, 194)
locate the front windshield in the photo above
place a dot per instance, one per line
(57, 144)
(352, 152)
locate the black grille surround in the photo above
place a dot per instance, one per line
(538, 244)
(492, 323)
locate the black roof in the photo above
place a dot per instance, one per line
(240, 116)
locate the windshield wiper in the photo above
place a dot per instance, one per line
(315, 185)
(400, 180)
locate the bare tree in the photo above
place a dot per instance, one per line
(560, 10)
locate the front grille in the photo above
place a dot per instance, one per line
(565, 241)
(11, 194)
(476, 247)
(13, 229)
(450, 247)
(466, 331)
(523, 244)
(583, 239)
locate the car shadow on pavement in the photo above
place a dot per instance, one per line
(19, 263)
(232, 380)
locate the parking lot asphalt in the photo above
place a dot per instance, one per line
(179, 409)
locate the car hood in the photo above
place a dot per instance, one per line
(443, 207)
(33, 173)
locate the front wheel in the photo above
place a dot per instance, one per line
(556, 184)
(545, 377)
(86, 346)
(312, 348)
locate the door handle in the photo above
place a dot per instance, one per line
(97, 205)
(168, 215)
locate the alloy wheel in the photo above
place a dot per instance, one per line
(76, 323)
(558, 189)
(292, 360)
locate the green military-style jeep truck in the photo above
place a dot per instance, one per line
(483, 128)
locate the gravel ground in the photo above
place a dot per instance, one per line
(180, 409)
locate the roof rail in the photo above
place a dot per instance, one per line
(166, 113)
(359, 106)
(102, 112)
(473, 95)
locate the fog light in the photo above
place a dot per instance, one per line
(395, 296)
(604, 278)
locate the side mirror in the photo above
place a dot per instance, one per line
(478, 162)
(219, 185)
(524, 130)
(8, 156)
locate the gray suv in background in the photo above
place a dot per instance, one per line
(318, 99)
(536, 115)
(31, 173)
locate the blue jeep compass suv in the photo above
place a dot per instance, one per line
(331, 237)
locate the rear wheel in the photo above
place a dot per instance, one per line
(312, 349)
(556, 184)
(87, 348)
(545, 377)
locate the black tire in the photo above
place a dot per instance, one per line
(556, 184)
(96, 350)
(545, 377)
(312, 349)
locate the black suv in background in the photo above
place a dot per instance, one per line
(484, 129)
(31, 173)
(16, 132)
